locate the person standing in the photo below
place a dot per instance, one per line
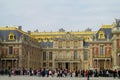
(87, 74)
(9, 72)
(115, 73)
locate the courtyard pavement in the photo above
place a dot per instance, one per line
(52, 78)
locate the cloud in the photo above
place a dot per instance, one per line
(53, 14)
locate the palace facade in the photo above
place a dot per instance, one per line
(72, 50)
(18, 49)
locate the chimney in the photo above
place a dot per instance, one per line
(19, 27)
(29, 32)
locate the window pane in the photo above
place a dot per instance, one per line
(68, 44)
(50, 55)
(101, 49)
(75, 54)
(67, 55)
(10, 49)
(44, 55)
(60, 44)
(85, 56)
(75, 44)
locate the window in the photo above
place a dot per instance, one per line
(50, 64)
(50, 55)
(60, 44)
(39, 40)
(10, 49)
(51, 39)
(68, 44)
(101, 35)
(75, 54)
(67, 55)
(45, 39)
(44, 55)
(85, 56)
(60, 55)
(44, 64)
(101, 49)
(11, 36)
(75, 44)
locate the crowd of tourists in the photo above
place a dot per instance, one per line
(61, 72)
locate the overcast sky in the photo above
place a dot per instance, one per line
(51, 15)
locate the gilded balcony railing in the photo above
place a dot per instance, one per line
(101, 56)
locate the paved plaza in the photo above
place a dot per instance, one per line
(53, 78)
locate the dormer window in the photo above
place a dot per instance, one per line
(11, 36)
(101, 35)
(51, 39)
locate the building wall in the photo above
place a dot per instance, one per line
(73, 50)
(18, 49)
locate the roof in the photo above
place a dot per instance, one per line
(5, 31)
(107, 30)
(46, 44)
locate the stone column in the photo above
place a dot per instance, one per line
(77, 65)
(20, 56)
(97, 63)
(105, 64)
(71, 66)
(118, 59)
(5, 64)
(12, 64)
(91, 58)
(1, 64)
(114, 52)
(56, 64)
(62, 65)
(16, 62)
(53, 60)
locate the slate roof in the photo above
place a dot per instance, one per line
(107, 31)
(4, 34)
(46, 44)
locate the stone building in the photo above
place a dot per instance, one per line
(18, 49)
(81, 49)
(62, 49)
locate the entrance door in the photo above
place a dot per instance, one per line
(75, 66)
(60, 65)
(66, 65)
(101, 65)
(9, 64)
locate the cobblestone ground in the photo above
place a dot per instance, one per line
(52, 78)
